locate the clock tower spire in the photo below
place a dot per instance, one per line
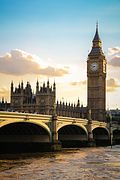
(96, 79)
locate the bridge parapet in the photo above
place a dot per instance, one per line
(72, 120)
(14, 117)
(55, 123)
(23, 116)
(96, 124)
(64, 121)
(99, 123)
(115, 126)
(47, 119)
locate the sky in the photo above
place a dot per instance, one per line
(51, 39)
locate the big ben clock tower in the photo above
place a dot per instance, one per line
(96, 79)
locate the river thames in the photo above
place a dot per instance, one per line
(79, 164)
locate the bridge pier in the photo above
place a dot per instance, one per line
(56, 145)
(91, 141)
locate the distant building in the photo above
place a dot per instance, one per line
(115, 113)
(4, 105)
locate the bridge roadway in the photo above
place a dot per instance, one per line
(25, 127)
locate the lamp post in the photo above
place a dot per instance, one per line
(56, 146)
(91, 141)
(111, 133)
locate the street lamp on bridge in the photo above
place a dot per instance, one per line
(109, 115)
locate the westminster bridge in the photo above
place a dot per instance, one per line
(38, 128)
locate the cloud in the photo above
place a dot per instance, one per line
(19, 62)
(50, 71)
(114, 56)
(113, 50)
(115, 61)
(79, 83)
(112, 85)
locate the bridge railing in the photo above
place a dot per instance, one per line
(4, 115)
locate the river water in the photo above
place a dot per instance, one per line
(79, 164)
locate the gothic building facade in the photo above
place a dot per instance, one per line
(43, 101)
(24, 100)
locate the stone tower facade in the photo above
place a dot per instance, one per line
(96, 79)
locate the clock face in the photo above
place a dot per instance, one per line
(94, 66)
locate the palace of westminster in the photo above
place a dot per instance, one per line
(44, 100)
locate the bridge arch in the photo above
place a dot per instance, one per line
(72, 135)
(76, 124)
(101, 135)
(39, 123)
(100, 126)
(24, 131)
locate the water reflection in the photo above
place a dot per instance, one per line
(84, 163)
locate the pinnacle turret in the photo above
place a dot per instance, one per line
(12, 87)
(96, 37)
(48, 83)
(37, 86)
(78, 103)
(19, 85)
(22, 85)
(43, 84)
(97, 44)
(54, 86)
